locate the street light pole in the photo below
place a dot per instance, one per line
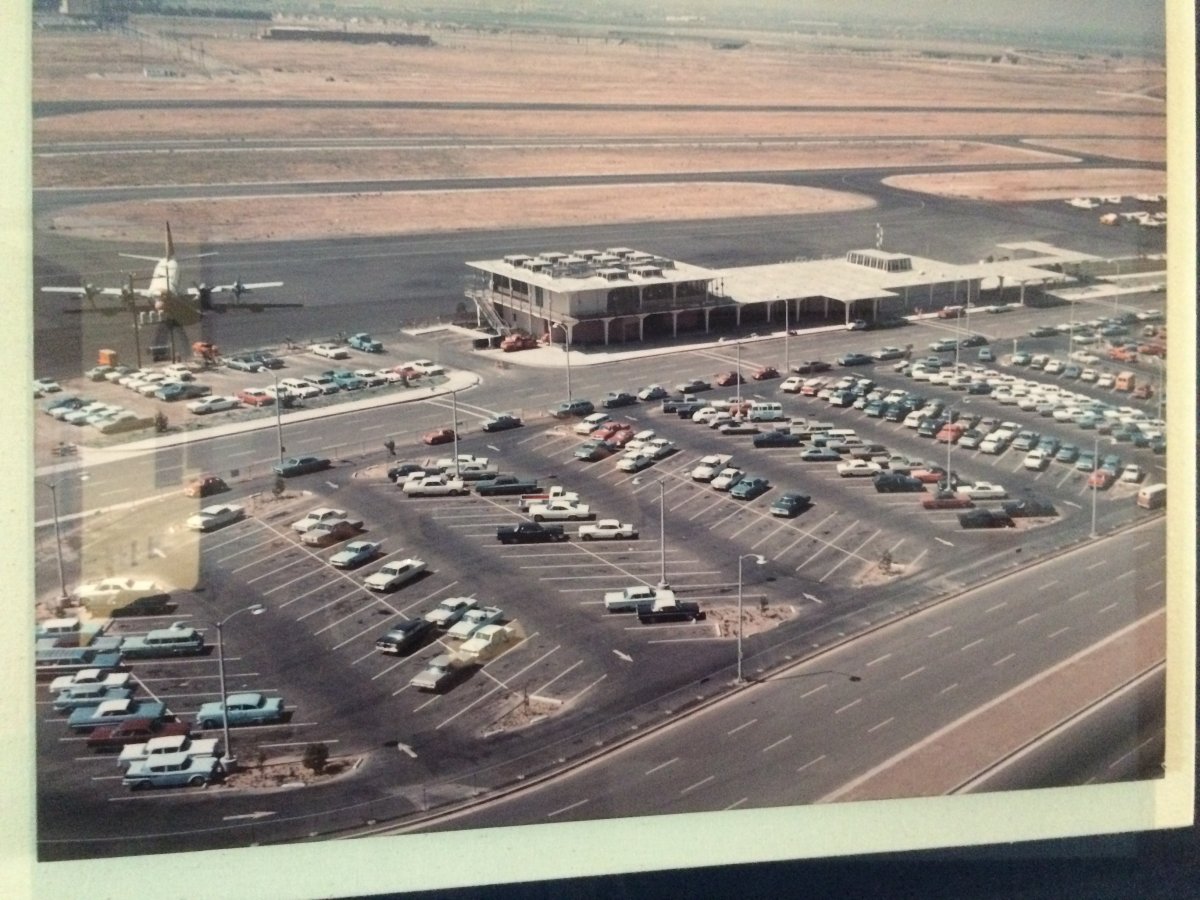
(454, 427)
(787, 331)
(278, 415)
(662, 536)
(62, 580)
(1095, 490)
(228, 760)
(738, 372)
(759, 560)
(567, 350)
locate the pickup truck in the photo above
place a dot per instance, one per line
(473, 620)
(558, 492)
(435, 486)
(501, 485)
(530, 533)
(608, 529)
(559, 510)
(630, 598)
(663, 610)
(672, 404)
(365, 343)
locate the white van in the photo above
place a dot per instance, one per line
(1152, 496)
(766, 411)
(590, 423)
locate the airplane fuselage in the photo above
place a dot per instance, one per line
(164, 282)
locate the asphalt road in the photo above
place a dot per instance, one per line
(801, 735)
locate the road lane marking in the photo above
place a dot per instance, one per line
(939, 631)
(1122, 758)
(499, 684)
(1107, 608)
(972, 644)
(566, 809)
(783, 740)
(1028, 618)
(999, 605)
(736, 803)
(1097, 565)
(948, 688)
(848, 705)
(1060, 631)
(1003, 659)
(1048, 584)
(740, 727)
(1077, 596)
(335, 600)
(912, 673)
(878, 659)
(1127, 574)
(819, 687)
(662, 765)
(882, 724)
(692, 787)
(811, 762)
(543, 687)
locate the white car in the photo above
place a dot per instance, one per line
(435, 486)
(635, 460)
(207, 405)
(706, 415)
(709, 466)
(330, 351)
(301, 388)
(316, 516)
(425, 366)
(464, 459)
(791, 384)
(218, 516)
(1106, 380)
(660, 448)
(395, 574)
(608, 530)
(450, 611)
(1036, 460)
(852, 468)
(982, 490)
(914, 418)
(1132, 474)
(474, 619)
(179, 745)
(91, 676)
(727, 478)
(588, 424)
(46, 385)
(559, 510)
(640, 440)
(485, 640)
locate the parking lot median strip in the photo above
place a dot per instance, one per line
(499, 685)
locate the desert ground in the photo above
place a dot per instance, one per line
(492, 106)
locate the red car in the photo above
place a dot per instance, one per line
(948, 501)
(607, 430)
(255, 397)
(1100, 479)
(108, 738)
(765, 372)
(620, 437)
(928, 474)
(440, 436)
(205, 485)
(728, 379)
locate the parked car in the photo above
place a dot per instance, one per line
(110, 738)
(973, 340)
(727, 478)
(113, 712)
(172, 770)
(985, 518)
(205, 485)
(569, 408)
(249, 708)
(175, 390)
(765, 373)
(593, 451)
(982, 490)
(947, 500)
(619, 398)
(243, 364)
(323, 534)
(693, 386)
(852, 468)
(749, 488)
(255, 397)
(330, 351)
(404, 636)
(450, 611)
(502, 423)
(474, 619)
(821, 454)
(207, 405)
(776, 439)
(438, 436)
(790, 504)
(653, 392)
(811, 367)
(218, 516)
(729, 379)
(854, 359)
(608, 529)
(395, 574)
(354, 554)
(897, 483)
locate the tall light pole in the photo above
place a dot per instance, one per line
(759, 560)
(738, 372)
(662, 536)
(567, 350)
(1095, 467)
(62, 580)
(787, 332)
(228, 760)
(278, 415)
(454, 427)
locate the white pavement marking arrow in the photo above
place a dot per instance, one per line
(1070, 503)
(332, 486)
(624, 656)
(404, 748)
(493, 448)
(253, 815)
(813, 599)
(942, 541)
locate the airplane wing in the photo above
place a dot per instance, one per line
(96, 292)
(153, 259)
(238, 287)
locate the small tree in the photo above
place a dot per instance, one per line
(315, 757)
(160, 423)
(280, 487)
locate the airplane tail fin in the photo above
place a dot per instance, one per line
(170, 243)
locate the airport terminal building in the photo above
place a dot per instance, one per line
(621, 295)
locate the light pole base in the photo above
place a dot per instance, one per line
(228, 764)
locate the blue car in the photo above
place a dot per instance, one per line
(355, 554)
(300, 465)
(749, 488)
(243, 709)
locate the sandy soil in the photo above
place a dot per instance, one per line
(511, 67)
(1034, 184)
(487, 161)
(345, 215)
(1143, 149)
(755, 619)
(286, 774)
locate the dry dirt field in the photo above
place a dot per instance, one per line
(753, 109)
(1035, 185)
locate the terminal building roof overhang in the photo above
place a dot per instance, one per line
(582, 270)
